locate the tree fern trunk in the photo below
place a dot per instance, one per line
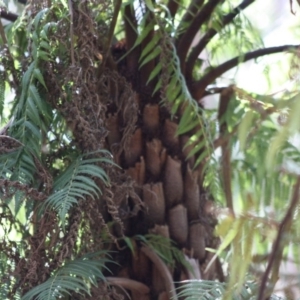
(175, 205)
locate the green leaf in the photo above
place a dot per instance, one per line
(197, 147)
(43, 35)
(155, 72)
(157, 86)
(151, 56)
(150, 45)
(77, 182)
(275, 145)
(33, 129)
(88, 182)
(244, 127)
(32, 111)
(130, 244)
(27, 77)
(188, 120)
(204, 154)
(93, 171)
(43, 55)
(39, 16)
(294, 120)
(149, 4)
(35, 38)
(38, 75)
(33, 92)
(75, 276)
(45, 45)
(174, 88)
(44, 31)
(144, 33)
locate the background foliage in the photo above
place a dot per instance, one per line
(75, 66)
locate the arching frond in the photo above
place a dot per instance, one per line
(211, 290)
(165, 248)
(75, 276)
(77, 182)
(175, 93)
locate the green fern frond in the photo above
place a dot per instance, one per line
(75, 276)
(77, 182)
(165, 248)
(265, 148)
(7, 283)
(18, 165)
(212, 290)
(239, 36)
(175, 92)
(31, 111)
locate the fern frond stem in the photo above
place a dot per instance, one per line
(197, 88)
(219, 270)
(2, 34)
(189, 35)
(163, 270)
(291, 7)
(279, 243)
(72, 32)
(221, 140)
(129, 284)
(13, 139)
(112, 27)
(173, 7)
(190, 14)
(196, 51)
(131, 34)
(29, 191)
(225, 97)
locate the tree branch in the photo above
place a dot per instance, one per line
(279, 243)
(72, 32)
(163, 270)
(11, 16)
(190, 14)
(197, 88)
(129, 284)
(187, 38)
(173, 7)
(130, 24)
(8, 15)
(112, 27)
(210, 34)
(225, 97)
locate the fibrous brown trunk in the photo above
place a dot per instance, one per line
(172, 194)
